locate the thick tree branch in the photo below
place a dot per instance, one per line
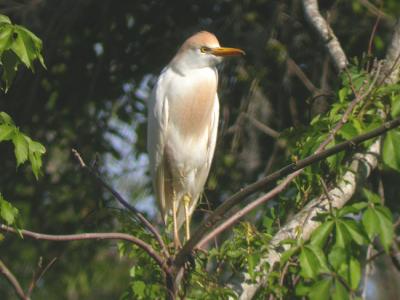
(360, 168)
(325, 33)
(123, 202)
(92, 236)
(13, 281)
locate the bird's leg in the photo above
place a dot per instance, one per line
(174, 212)
(186, 202)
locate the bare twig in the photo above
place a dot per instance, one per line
(295, 69)
(261, 126)
(92, 236)
(124, 203)
(376, 11)
(13, 281)
(39, 274)
(325, 33)
(326, 191)
(371, 38)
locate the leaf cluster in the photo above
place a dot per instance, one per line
(18, 46)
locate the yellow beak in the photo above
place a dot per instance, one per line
(225, 51)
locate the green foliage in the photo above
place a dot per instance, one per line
(8, 213)
(303, 142)
(146, 280)
(24, 147)
(329, 265)
(391, 151)
(239, 253)
(18, 46)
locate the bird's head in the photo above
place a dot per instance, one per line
(202, 50)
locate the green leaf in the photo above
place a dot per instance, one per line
(139, 288)
(6, 132)
(348, 131)
(5, 118)
(312, 261)
(337, 256)
(386, 231)
(395, 105)
(385, 211)
(342, 235)
(308, 263)
(288, 254)
(340, 292)
(21, 49)
(321, 289)
(35, 146)
(355, 231)
(379, 221)
(355, 273)
(370, 222)
(302, 289)
(4, 19)
(343, 92)
(20, 148)
(358, 206)
(7, 212)
(36, 163)
(371, 197)
(391, 149)
(319, 254)
(352, 209)
(320, 235)
(33, 45)
(251, 264)
(6, 37)
(10, 66)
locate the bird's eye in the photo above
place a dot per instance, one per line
(204, 49)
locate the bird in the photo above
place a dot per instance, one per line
(183, 115)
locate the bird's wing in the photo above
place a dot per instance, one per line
(156, 132)
(213, 131)
(211, 143)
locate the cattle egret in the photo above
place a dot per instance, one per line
(183, 113)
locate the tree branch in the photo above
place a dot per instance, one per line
(325, 33)
(13, 281)
(124, 203)
(307, 161)
(92, 236)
